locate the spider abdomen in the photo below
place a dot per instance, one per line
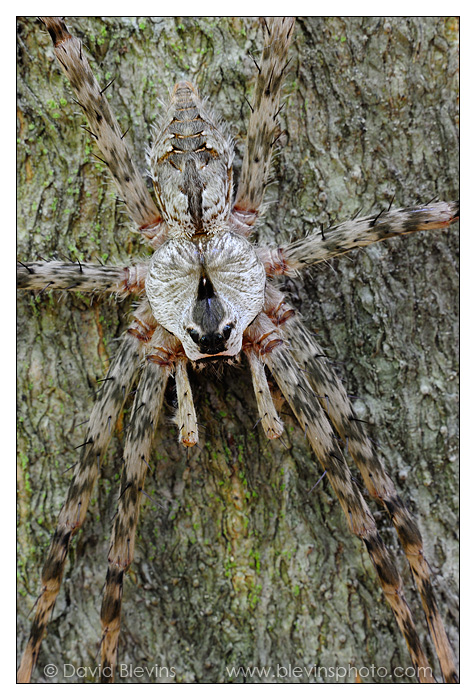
(191, 166)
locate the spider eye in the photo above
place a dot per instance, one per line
(195, 335)
(226, 332)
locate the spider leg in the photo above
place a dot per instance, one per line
(105, 412)
(263, 121)
(82, 277)
(169, 354)
(106, 131)
(270, 421)
(306, 407)
(145, 413)
(356, 233)
(186, 417)
(333, 397)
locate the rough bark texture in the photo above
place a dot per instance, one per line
(237, 563)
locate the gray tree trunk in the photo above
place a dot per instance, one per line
(237, 562)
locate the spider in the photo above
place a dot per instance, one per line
(228, 537)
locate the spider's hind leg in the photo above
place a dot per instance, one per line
(106, 131)
(263, 122)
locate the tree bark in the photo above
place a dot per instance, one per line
(238, 562)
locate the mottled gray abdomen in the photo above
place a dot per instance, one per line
(191, 166)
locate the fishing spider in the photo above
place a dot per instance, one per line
(218, 550)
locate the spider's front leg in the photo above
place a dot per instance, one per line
(165, 353)
(306, 407)
(333, 397)
(115, 389)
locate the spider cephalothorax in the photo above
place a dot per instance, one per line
(207, 292)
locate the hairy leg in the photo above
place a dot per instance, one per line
(140, 432)
(81, 277)
(332, 395)
(263, 122)
(356, 233)
(308, 411)
(105, 130)
(106, 410)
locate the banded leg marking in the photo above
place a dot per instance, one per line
(357, 233)
(81, 277)
(263, 122)
(308, 411)
(104, 415)
(105, 129)
(140, 433)
(333, 397)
